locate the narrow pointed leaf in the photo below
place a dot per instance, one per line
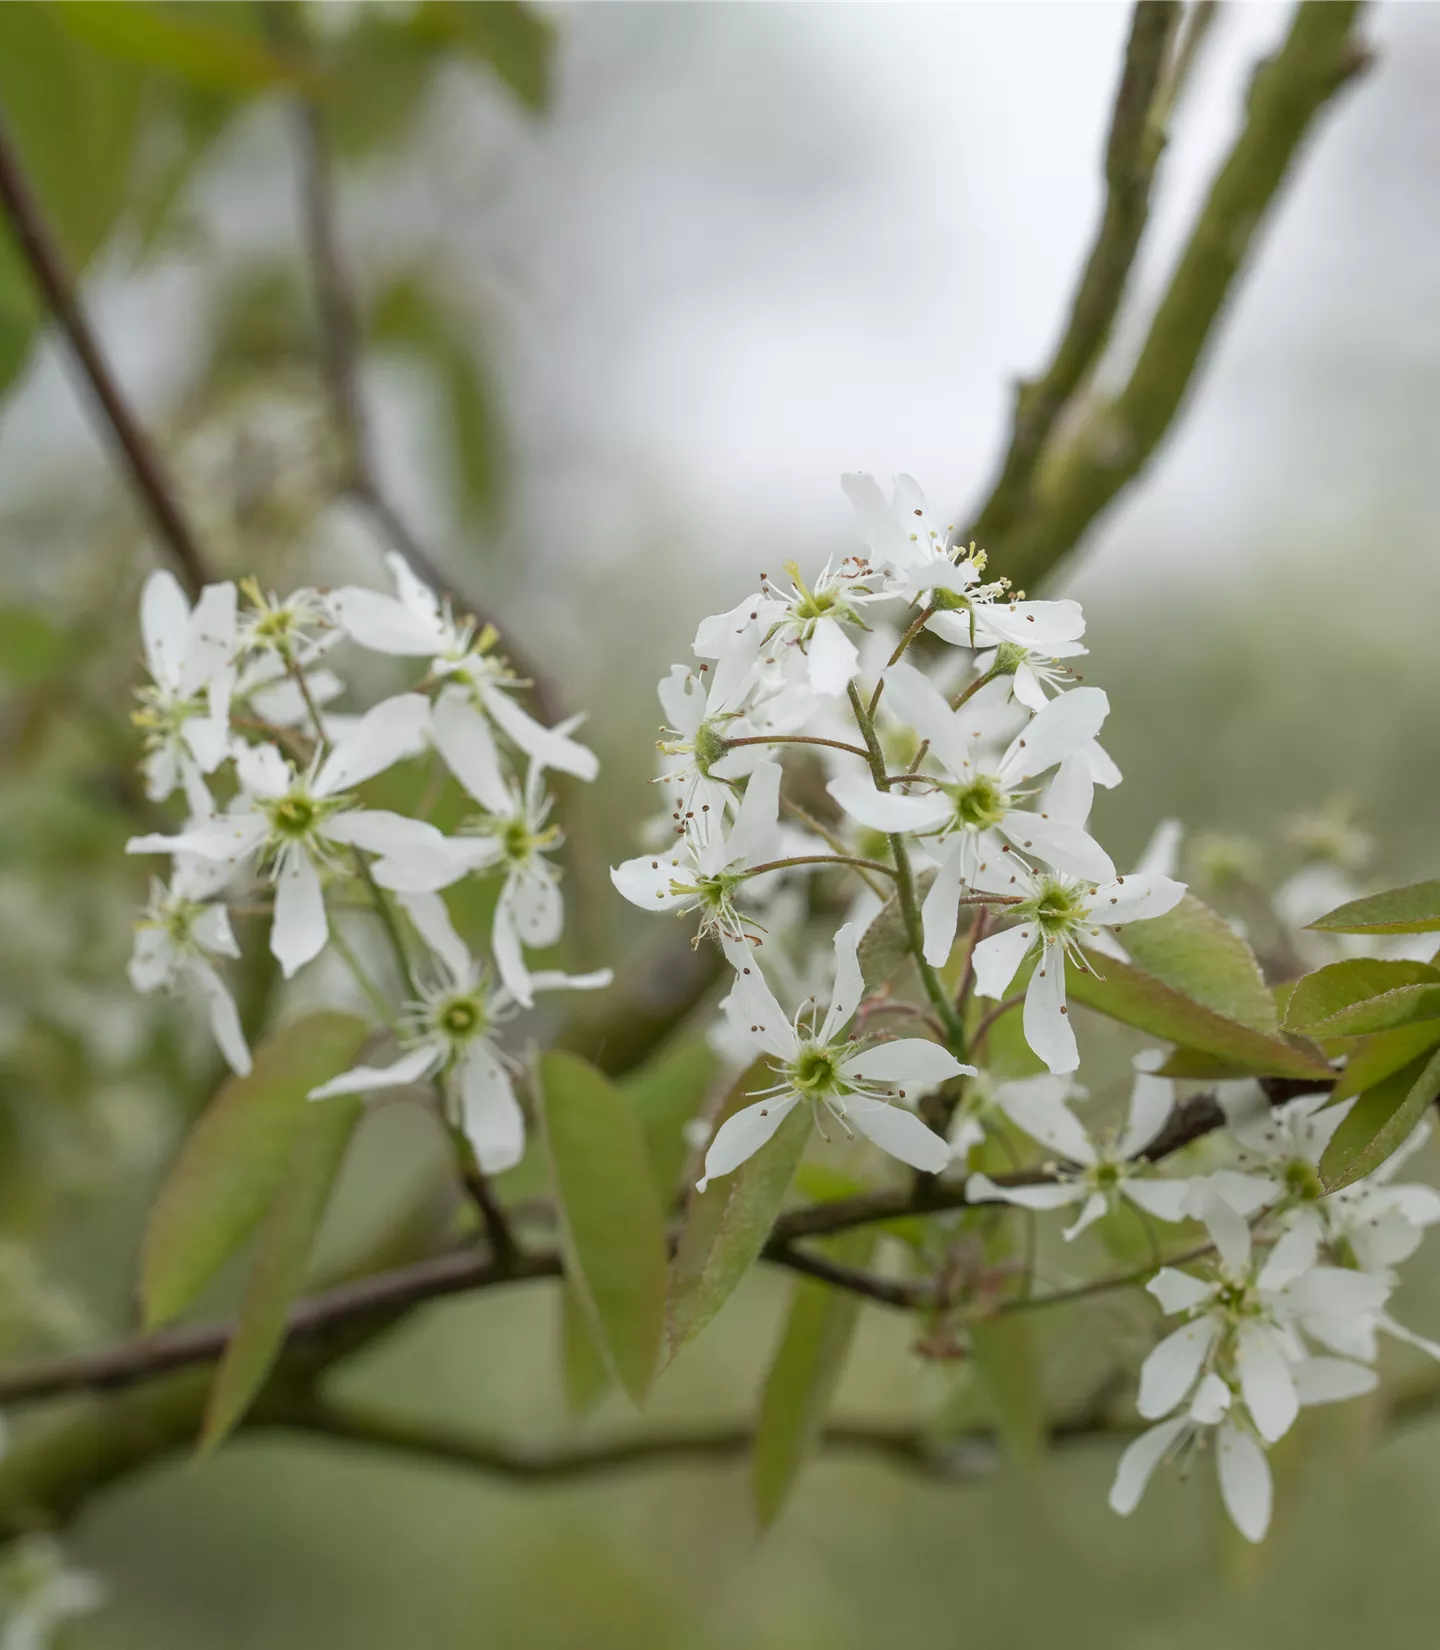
(884, 946)
(1380, 1121)
(1381, 1054)
(1007, 1361)
(807, 1368)
(1194, 949)
(236, 1158)
(667, 1092)
(612, 1221)
(1363, 995)
(1138, 999)
(727, 1224)
(282, 1257)
(585, 1376)
(1412, 910)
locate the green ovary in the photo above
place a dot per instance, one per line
(980, 804)
(294, 816)
(814, 1072)
(1059, 909)
(460, 1018)
(710, 746)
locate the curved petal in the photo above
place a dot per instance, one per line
(849, 985)
(383, 624)
(227, 839)
(1093, 1210)
(538, 906)
(432, 922)
(434, 866)
(997, 958)
(757, 819)
(1173, 1367)
(1178, 1291)
(1151, 1102)
(210, 637)
(224, 1017)
(1069, 848)
(1295, 1252)
(741, 1136)
(1071, 793)
(911, 1060)
(1228, 1232)
(299, 930)
(940, 914)
(979, 1188)
(1037, 1106)
(1066, 725)
(510, 956)
(1039, 626)
(1265, 1381)
(754, 1005)
(832, 658)
(1331, 1380)
(1046, 1018)
(490, 1115)
(384, 735)
(409, 1068)
(467, 747)
(262, 771)
(1165, 1199)
(164, 627)
(1138, 1463)
(543, 745)
(378, 831)
(916, 700)
(883, 810)
(1135, 898)
(154, 961)
(1245, 1485)
(898, 1132)
(645, 880)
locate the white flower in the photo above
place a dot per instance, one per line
(281, 632)
(1030, 671)
(463, 659)
(512, 835)
(39, 1591)
(185, 710)
(811, 621)
(1245, 1322)
(297, 822)
(851, 1081)
(702, 711)
(450, 1035)
(1102, 1172)
(182, 929)
(708, 866)
(977, 800)
(1057, 916)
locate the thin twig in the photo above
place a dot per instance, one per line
(797, 739)
(47, 266)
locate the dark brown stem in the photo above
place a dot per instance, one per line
(797, 739)
(47, 266)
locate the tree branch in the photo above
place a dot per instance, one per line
(1131, 156)
(1116, 439)
(40, 251)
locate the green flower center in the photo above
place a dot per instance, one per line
(460, 1018)
(1059, 908)
(815, 1072)
(980, 804)
(1303, 1180)
(294, 816)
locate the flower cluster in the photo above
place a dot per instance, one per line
(242, 696)
(904, 721)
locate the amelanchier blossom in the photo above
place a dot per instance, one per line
(184, 712)
(853, 1081)
(296, 824)
(1056, 917)
(449, 1035)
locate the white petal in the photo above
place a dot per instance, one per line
(1211, 1402)
(996, 959)
(409, 1068)
(1228, 1232)
(436, 866)
(227, 839)
(1139, 1461)
(979, 1188)
(645, 881)
(1172, 1368)
(210, 637)
(1067, 723)
(555, 979)
(207, 740)
(1093, 1210)
(1178, 1291)
(1039, 1108)
(752, 837)
(899, 1132)
(940, 914)
(754, 1004)
(1294, 1254)
(1245, 1485)
(885, 811)
(224, 1018)
(1135, 899)
(299, 930)
(1331, 1380)
(378, 831)
(1245, 1193)
(1046, 1022)
(1041, 626)
(433, 924)
(916, 700)
(164, 627)
(849, 985)
(880, 526)
(544, 745)
(1265, 1381)
(538, 906)
(262, 771)
(1165, 1199)
(510, 955)
(1151, 1100)
(911, 1060)
(383, 624)
(1161, 854)
(833, 658)
(741, 1136)
(1070, 794)
(489, 1113)
(385, 735)
(1410, 1338)
(1068, 848)
(412, 590)
(154, 960)
(463, 738)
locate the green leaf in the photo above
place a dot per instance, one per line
(1138, 999)
(516, 41)
(1412, 910)
(282, 1257)
(1007, 1362)
(174, 39)
(1362, 995)
(31, 647)
(1207, 1068)
(807, 1368)
(236, 1159)
(727, 1224)
(612, 1222)
(666, 1093)
(1374, 1059)
(1194, 949)
(584, 1373)
(884, 946)
(1380, 1121)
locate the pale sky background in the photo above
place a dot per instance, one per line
(756, 245)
